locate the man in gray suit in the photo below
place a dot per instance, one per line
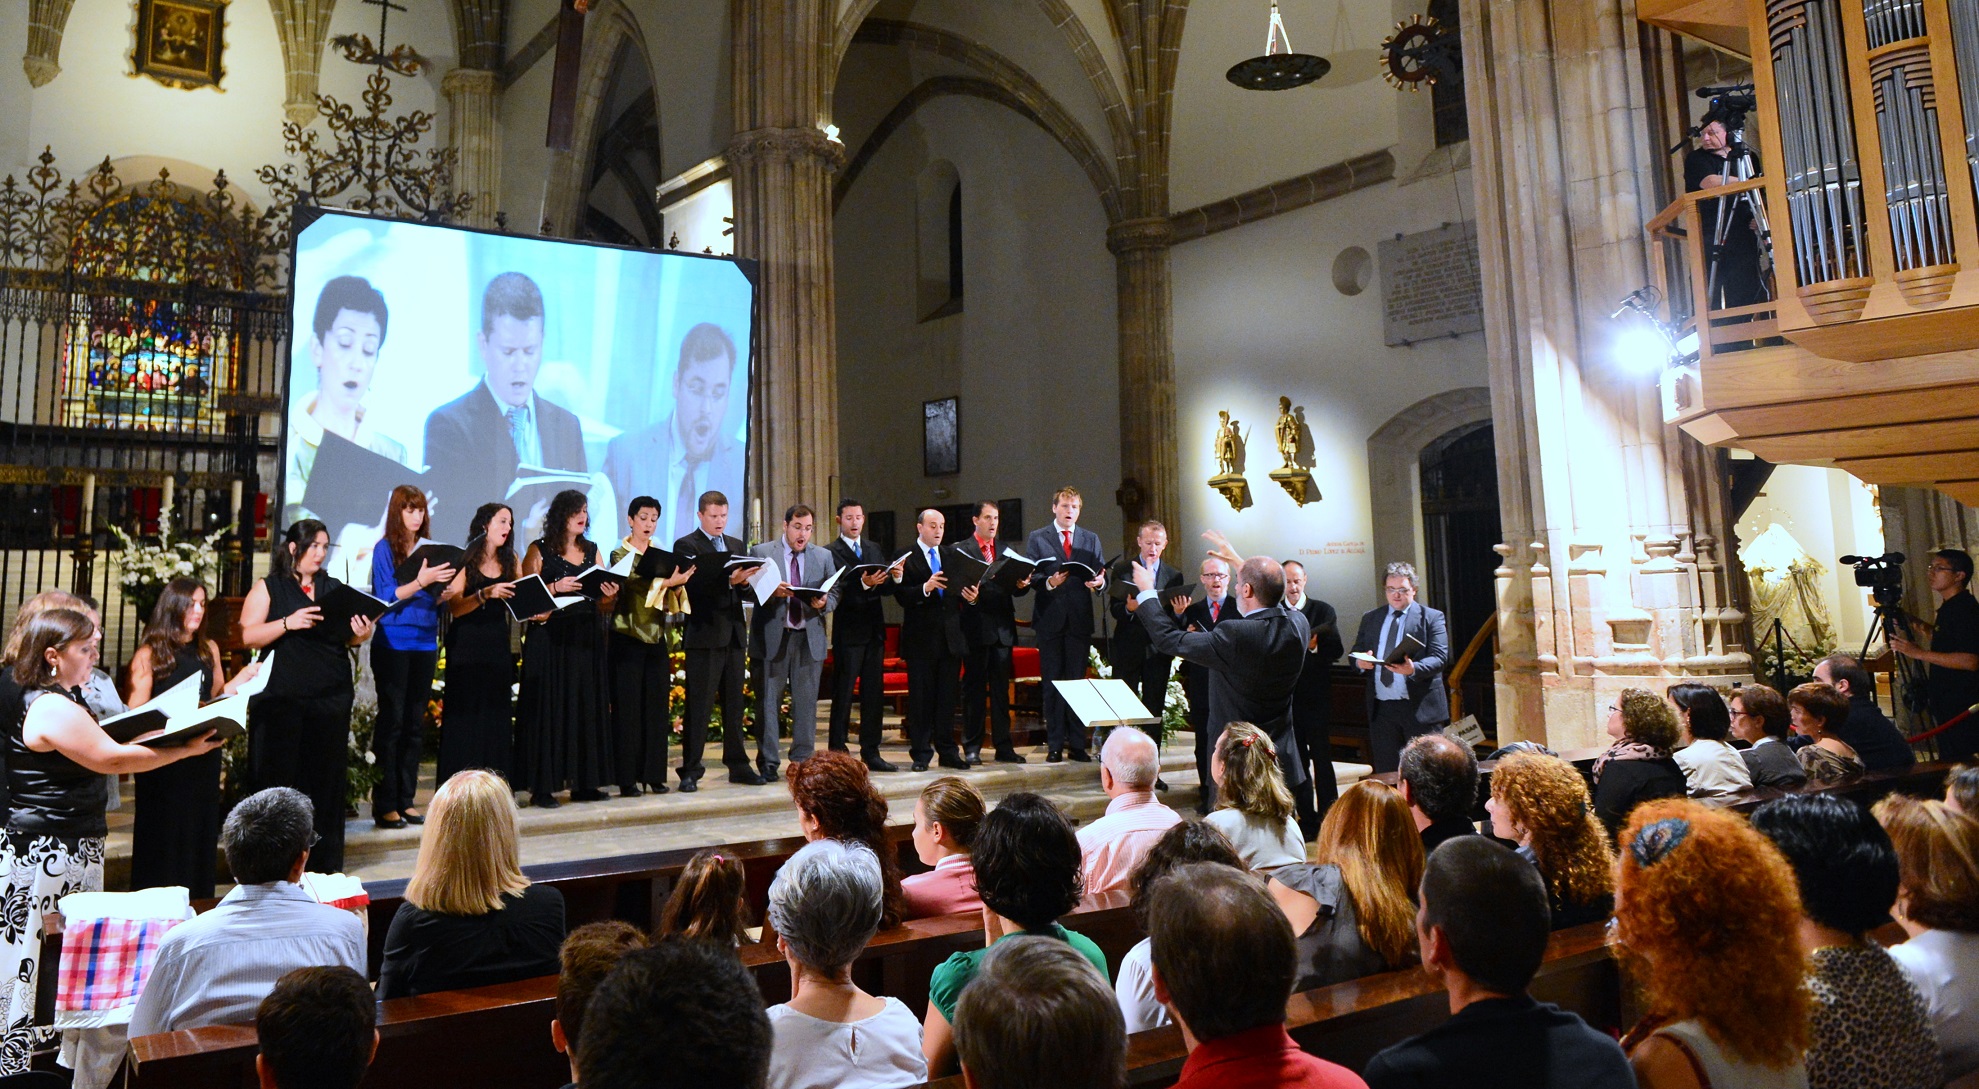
(787, 638)
(687, 453)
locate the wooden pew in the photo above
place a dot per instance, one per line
(1348, 1023)
(492, 1036)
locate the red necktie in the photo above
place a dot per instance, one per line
(1215, 607)
(986, 549)
(1068, 542)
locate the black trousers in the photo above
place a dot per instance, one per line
(405, 686)
(713, 672)
(986, 678)
(1148, 681)
(932, 684)
(304, 743)
(1320, 790)
(641, 715)
(1062, 657)
(1196, 688)
(866, 664)
(1394, 723)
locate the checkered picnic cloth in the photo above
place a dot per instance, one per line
(105, 962)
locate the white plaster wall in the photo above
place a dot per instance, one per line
(15, 91)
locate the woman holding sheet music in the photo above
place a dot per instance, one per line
(404, 657)
(562, 732)
(642, 675)
(298, 727)
(477, 728)
(177, 826)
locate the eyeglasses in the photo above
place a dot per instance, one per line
(1940, 567)
(1613, 708)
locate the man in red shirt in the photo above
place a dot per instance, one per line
(1224, 964)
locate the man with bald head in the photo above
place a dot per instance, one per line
(931, 641)
(1253, 659)
(1115, 844)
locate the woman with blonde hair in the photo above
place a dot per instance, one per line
(1353, 909)
(1639, 766)
(1541, 802)
(1253, 808)
(1704, 912)
(1938, 907)
(470, 919)
(945, 821)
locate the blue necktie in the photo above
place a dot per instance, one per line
(934, 564)
(1390, 636)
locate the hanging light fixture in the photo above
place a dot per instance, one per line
(1279, 69)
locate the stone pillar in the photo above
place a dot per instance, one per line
(45, 21)
(475, 133)
(1149, 469)
(1618, 567)
(303, 26)
(783, 165)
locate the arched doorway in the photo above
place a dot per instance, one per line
(1459, 474)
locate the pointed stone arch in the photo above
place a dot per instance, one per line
(609, 26)
(1394, 453)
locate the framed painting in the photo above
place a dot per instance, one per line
(941, 438)
(179, 42)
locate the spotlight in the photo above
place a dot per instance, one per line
(1644, 344)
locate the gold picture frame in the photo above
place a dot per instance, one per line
(180, 43)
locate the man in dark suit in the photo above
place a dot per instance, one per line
(1144, 672)
(989, 630)
(714, 640)
(931, 641)
(1406, 699)
(787, 640)
(477, 441)
(1063, 618)
(1312, 704)
(688, 452)
(1252, 660)
(1216, 606)
(858, 640)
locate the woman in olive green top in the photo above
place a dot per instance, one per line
(642, 675)
(1027, 870)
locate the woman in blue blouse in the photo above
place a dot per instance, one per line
(403, 658)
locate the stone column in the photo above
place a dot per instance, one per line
(475, 133)
(1618, 567)
(783, 165)
(1149, 469)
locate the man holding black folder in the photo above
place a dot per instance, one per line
(931, 641)
(714, 640)
(1063, 617)
(858, 639)
(1406, 698)
(787, 639)
(1144, 671)
(989, 628)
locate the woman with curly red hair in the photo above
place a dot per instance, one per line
(1541, 802)
(1703, 915)
(836, 800)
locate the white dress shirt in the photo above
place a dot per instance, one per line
(1713, 768)
(881, 1052)
(1944, 966)
(1133, 988)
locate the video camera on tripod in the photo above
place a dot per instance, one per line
(1882, 576)
(1742, 282)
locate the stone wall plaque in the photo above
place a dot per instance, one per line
(1429, 285)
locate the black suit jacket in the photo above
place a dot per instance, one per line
(1253, 663)
(714, 619)
(1426, 691)
(992, 620)
(473, 460)
(1068, 610)
(1129, 648)
(930, 624)
(861, 614)
(1316, 678)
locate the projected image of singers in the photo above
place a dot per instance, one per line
(476, 443)
(347, 334)
(687, 453)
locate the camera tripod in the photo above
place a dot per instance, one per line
(1740, 165)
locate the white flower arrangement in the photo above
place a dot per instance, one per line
(146, 566)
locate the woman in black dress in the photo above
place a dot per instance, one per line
(562, 731)
(177, 828)
(477, 715)
(298, 728)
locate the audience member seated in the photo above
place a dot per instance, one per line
(317, 1030)
(1865, 727)
(1038, 1015)
(1027, 870)
(470, 919)
(1115, 843)
(1962, 790)
(1703, 911)
(1815, 709)
(1190, 841)
(683, 1014)
(1638, 766)
(588, 955)
(1938, 906)
(1225, 962)
(1438, 779)
(825, 907)
(1541, 803)
(1483, 929)
(945, 821)
(1759, 718)
(836, 800)
(1871, 1027)
(1253, 808)
(709, 901)
(216, 968)
(1353, 910)
(1712, 768)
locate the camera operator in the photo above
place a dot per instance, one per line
(1704, 168)
(1954, 653)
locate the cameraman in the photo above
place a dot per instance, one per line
(1738, 260)
(1954, 653)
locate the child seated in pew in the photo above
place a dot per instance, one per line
(316, 1030)
(707, 902)
(588, 955)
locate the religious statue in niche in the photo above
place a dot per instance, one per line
(1229, 449)
(179, 43)
(1290, 432)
